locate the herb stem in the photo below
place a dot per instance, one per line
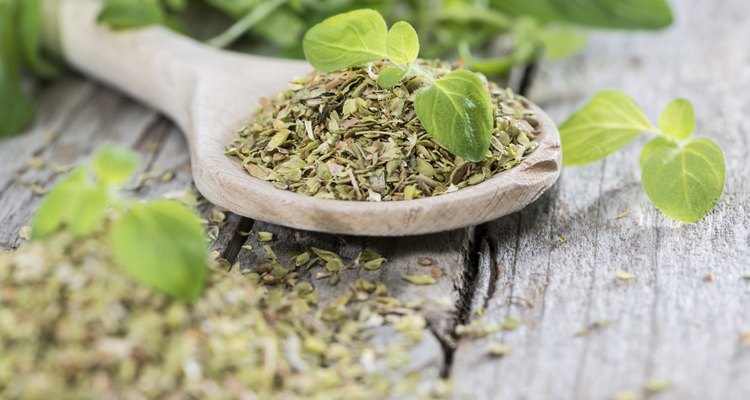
(246, 23)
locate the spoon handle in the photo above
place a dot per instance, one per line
(153, 65)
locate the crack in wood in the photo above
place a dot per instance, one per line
(234, 245)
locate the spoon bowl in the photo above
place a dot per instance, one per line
(210, 94)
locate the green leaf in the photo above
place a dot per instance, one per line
(653, 144)
(30, 32)
(491, 67)
(561, 42)
(608, 122)
(16, 109)
(457, 113)
(76, 202)
(402, 43)
(162, 245)
(684, 182)
(622, 14)
(122, 14)
(346, 40)
(677, 120)
(390, 76)
(114, 165)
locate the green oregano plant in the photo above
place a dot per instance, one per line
(454, 109)
(160, 243)
(684, 177)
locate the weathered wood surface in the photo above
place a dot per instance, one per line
(671, 322)
(667, 323)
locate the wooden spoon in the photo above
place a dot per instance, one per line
(211, 93)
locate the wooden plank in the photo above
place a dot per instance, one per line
(670, 322)
(446, 251)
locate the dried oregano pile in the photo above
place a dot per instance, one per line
(73, 325)
(338, 135)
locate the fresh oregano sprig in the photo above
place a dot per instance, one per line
(454, 109)
(684, 177)
(160, 243)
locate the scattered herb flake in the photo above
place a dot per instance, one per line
(25, 232)
(419, 279)
(264, 236)
(627, 394)
(622, 215)
(270, 254)
(658, 385)
(624, 276)
(497, 349)
(594, 326)
(424, 261)
(510, 324)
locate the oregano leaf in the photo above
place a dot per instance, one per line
(402, 43)
(345, 40)
(652, 145)
(456, 111)
(677, 120)
(75, 202)
(29, 23)
(562, 41)
(684, 182)
(114, 165)
(16, 109)
(390, 76)
(607, 123)
(161, 244)
(123, 14)
(630, 14)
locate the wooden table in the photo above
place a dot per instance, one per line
(685, 318)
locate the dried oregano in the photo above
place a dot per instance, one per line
(338, 135)
(75, 325)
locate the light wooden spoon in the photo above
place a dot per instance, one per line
(210, 94)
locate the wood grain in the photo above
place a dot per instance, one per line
(671, 322)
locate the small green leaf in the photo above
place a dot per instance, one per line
(122, 14)
(346, 40)
(390, 76)
(457, 113)
(677, 120)
(76, 202)
(114, 165)
(627, 14)
(608, 122)
(419, 279)
(653, 144)
(30, 31)
(402, 43)
(162, 245)
(684, 182)
(16, 109)
(562, 41)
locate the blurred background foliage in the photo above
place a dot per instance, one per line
(505, 33)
